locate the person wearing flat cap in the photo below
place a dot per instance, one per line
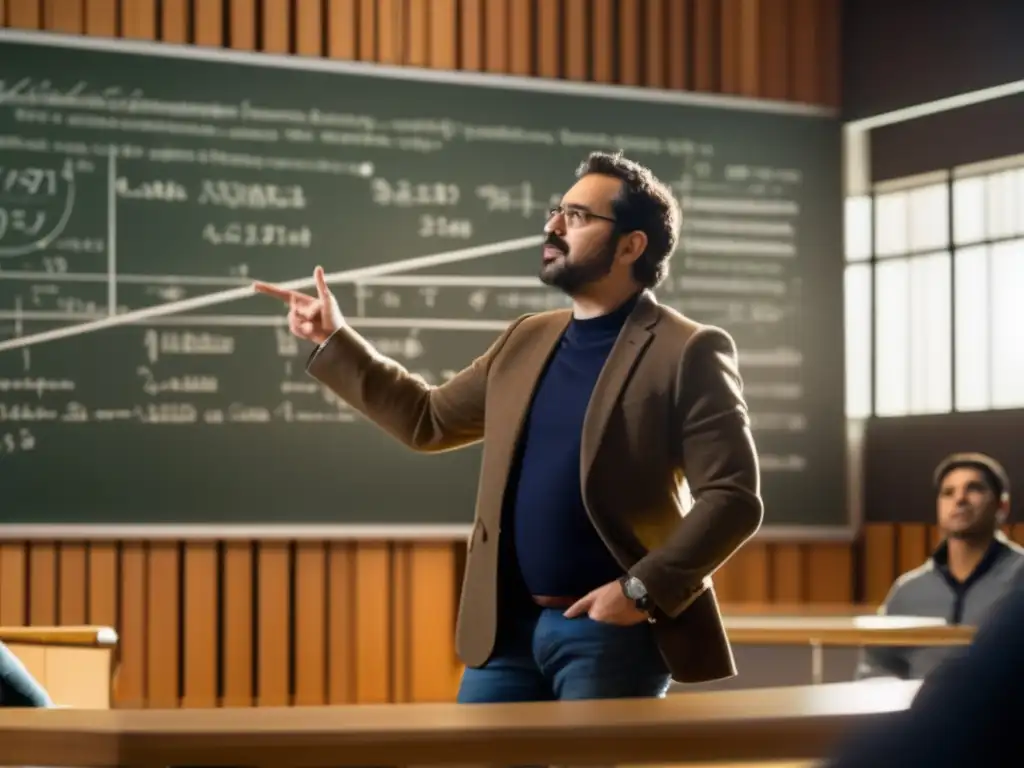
(967, 574)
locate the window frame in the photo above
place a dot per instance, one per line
(949, 178)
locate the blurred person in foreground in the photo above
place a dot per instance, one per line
(967, 712)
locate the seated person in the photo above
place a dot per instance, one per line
(17, 686)
(968, 572)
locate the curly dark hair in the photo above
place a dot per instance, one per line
(645, 204)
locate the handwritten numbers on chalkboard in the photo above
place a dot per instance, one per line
(55, 265)
(19, 441)
(35, 202)
(31, 182)
(235, 195)
(440, 226)
(21, 221)
(406, 194)
(258, 235)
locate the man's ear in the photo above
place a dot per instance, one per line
(1003, 511)
(632, 246)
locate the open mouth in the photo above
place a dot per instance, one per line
(551, 253)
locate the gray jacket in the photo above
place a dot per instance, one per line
(930, 590)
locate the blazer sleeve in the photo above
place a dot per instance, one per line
(720, 464)
(423, 417)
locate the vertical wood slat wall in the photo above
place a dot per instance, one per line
(213, 623)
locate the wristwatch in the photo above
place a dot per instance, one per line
(635, 590)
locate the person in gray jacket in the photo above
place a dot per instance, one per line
(966, 575)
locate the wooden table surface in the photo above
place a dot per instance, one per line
(83, 636)
(793, 723)
(850, 630)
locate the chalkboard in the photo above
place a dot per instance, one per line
(144, 389)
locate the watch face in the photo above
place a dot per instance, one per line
(634, 589)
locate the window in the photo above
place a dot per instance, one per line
(891, 224)
(931, 327)
(971, 337)
(934, 276)
(969, 210)
(858, 340)
(858, 229)
(928, 220)
(1006, 264)
(892, 328)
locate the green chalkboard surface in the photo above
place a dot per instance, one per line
(143, 388)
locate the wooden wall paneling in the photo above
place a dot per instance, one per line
(130, 597)
(494, 20)
(174, 21)
(101, 18)
(878, 562)
(24, 14)
(13, 584)
(200, 589)
(629, 43)
(601, 35)
(237, 617)
(547, 34)
(62, 15)
(207, 23)
(341, 29)
(242, 32)
(244, 623)
(656, 43)
(706, 66)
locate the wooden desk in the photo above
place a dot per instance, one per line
(819, 631)
(793, 723)
(74, 664)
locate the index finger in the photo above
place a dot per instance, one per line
(283, 294)
(321, 283)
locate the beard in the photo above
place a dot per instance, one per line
(571, 275)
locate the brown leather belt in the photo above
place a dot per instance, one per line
(547, 601)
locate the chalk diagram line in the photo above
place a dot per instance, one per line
(342, 277)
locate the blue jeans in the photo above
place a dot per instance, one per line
(543, 656)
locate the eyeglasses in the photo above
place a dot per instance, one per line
(576, 217)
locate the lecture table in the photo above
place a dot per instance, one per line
(823, 626)
(764, 727)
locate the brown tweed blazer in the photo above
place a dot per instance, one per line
(667, 412)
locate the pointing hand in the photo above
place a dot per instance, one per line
(310, 318)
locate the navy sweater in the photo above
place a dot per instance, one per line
(554, 549)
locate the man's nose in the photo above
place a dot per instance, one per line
(555, 224)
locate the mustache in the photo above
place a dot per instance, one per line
(556, 242)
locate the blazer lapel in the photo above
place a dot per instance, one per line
(632, 341)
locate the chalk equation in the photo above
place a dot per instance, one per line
(100, 183)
